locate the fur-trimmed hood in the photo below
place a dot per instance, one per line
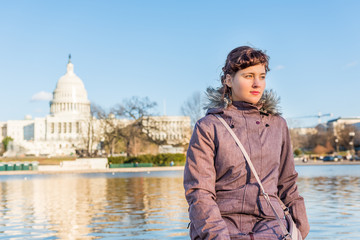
(269, 102)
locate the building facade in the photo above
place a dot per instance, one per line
(69, 125)
(339, 123)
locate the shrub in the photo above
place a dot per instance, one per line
(117, 160)
(297, 152)
(158, 160)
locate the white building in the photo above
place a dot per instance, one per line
(343, 121)
(66, 128)
(338, 124)
(304, 130)
(173, 129)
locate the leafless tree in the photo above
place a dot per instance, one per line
(91, 135)
(110, 128)
(297, 139)
(138, 132)
(89, 132)
(345, 138)
(193, 107)
(320, 138)
(135, 108)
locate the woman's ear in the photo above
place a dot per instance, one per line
(228, 80)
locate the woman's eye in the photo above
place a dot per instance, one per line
(262, 77)
(249, 76)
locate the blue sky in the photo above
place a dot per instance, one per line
(167, 50)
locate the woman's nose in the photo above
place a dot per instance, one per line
(256, 82)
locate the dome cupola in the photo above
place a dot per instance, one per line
(70, 96)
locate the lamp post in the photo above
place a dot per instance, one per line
(337, 145)
(352, 135)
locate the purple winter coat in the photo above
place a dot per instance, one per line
(221, 191)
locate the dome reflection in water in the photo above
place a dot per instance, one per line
(89, 206)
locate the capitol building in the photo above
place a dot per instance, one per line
(65, 129)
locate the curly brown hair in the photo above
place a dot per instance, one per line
(240, 58)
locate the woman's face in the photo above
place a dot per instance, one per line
(247, 84)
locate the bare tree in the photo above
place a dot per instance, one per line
(343, 132)
(135, 108)
(110, 128)
(193, 107)
(320, 138)
(138, 110)
(91, 135)
(297, 139)
(129, 125)
(327, 140)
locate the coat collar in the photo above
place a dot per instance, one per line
(268, 103)
(237, 105)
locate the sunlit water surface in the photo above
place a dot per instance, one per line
(151, 205)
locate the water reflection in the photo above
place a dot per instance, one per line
(78, 207)
(333, 201)
(146, 207)
(58, 206)
(152, 205)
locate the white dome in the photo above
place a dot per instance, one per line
(70, 95)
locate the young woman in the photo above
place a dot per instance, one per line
(222, 193)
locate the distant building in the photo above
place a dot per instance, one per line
(340, 120)
(173, 129)
(339, 123)
(331, 125)
(304, 130)
(66, 128)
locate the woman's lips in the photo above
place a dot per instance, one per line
(255, 92)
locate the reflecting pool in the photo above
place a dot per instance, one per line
(151, 205)
(332, 195)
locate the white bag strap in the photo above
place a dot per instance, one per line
(252, 168)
